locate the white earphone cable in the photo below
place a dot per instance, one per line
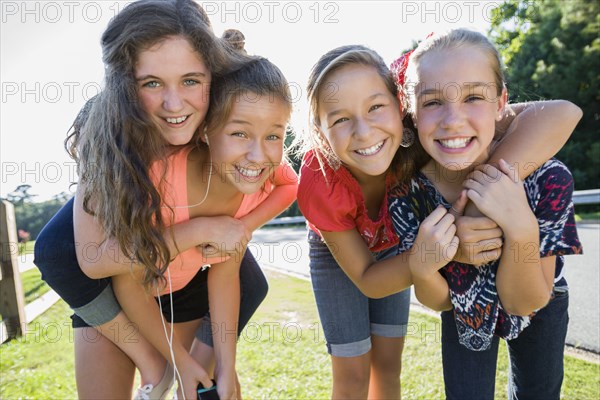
(169, 336)
(210, 172)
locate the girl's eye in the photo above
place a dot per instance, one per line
(190, 82)
(431, 103)
(151, 84)
(273, 137)
(471, 99)
(339, 121)
(375, 107)
(239, 134)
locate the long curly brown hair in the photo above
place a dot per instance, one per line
(114, 141)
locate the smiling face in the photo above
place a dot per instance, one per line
(249, 145)
(173, 87)
(360, 119)
(457, 106)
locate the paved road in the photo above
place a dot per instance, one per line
(287, 249)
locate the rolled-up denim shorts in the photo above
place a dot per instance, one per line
(92, 300)
(348, 317)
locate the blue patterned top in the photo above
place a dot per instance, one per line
(477, 309)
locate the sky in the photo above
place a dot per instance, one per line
(50, 61)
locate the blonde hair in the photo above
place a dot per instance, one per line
(453, 39)
(325, 66)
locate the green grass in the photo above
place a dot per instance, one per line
(27, 248)
(589, 216)
(33, 286)
(39, 365)
(281, 355)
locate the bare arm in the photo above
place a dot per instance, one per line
(283, 195)
(375, 279)
(432, 290)
(537, 132)
(522, 278)
(530, 137)
(101, 257)
(434, 247)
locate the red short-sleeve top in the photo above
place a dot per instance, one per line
(333, 202)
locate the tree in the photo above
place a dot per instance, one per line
(31, 216)
(20, 195)
(551, 49)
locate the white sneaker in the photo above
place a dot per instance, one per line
(158, 392)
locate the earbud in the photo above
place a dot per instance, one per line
(206, 137)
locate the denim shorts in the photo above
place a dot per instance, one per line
(93, 300)
(55, 253)
(349, 318)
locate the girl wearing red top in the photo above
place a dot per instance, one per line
(352, 155)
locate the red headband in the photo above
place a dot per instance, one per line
(399, 66)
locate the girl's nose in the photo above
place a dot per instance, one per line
(172, 101)
(361, 129)
(256, 154)
(453, 117)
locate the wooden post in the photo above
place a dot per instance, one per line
(12, 301)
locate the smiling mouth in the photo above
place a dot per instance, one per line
(369, 151)
(249, 173)
(177, 120)
(458, 143)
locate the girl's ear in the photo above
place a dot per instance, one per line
(502, 100)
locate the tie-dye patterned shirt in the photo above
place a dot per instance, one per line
(477, 309)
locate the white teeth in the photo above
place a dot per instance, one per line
(250, 173)
(177, 120)
(370, 150)
(455, 143)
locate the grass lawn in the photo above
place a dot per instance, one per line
(281, 355)
(33, 285)
(589, 216)
(27, 248)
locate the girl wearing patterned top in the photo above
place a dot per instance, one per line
(352, 157)
(522, 297)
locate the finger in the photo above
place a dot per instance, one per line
(489, 244)
(458, 207)
(476, 223)
(446, 223)
(491, 172)
(478, 173)
(475, 197)
(474, 184)
(509, 171)
(488, 256)
(480, 236)
(451, 249)
(435, 216)
(451, 231)
(206, 382)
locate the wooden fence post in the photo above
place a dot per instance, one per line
(12, 301)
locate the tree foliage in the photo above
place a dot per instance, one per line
(551, 49)
(33, 216)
